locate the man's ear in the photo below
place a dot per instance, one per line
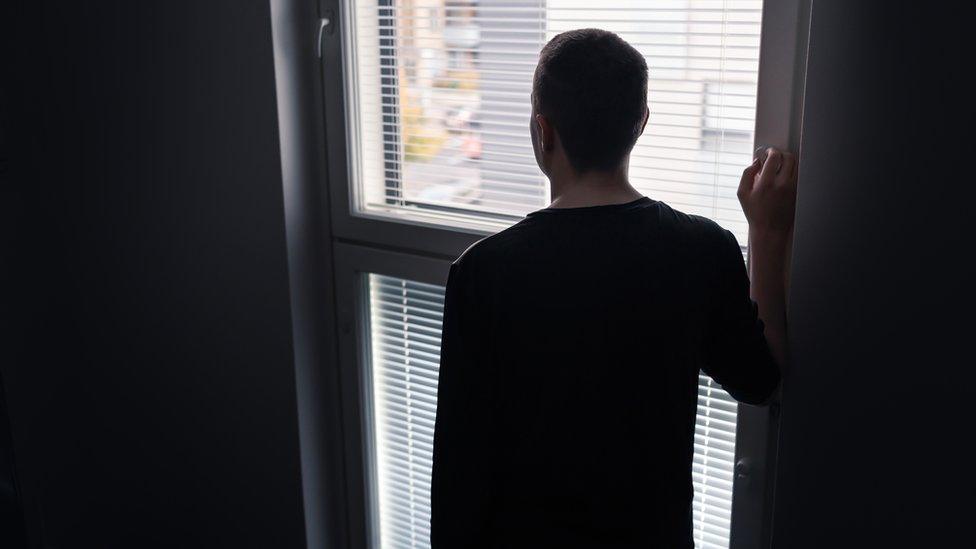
(647, 116)
(545, 132)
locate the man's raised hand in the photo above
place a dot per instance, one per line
(767, 192)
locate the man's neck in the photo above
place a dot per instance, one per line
(571, 190)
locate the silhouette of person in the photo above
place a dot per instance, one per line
(573, 340)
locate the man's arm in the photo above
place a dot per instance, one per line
(463, 480)
(767, 193)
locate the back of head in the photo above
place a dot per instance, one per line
(591, 86)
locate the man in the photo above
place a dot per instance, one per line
(573, 340)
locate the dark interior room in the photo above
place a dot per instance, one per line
(249, 246)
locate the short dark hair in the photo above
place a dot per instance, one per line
(592, 87)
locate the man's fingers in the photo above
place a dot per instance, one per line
(770, 167)
(748, 177)
(785, 174)
(760, 153)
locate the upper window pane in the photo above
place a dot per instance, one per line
(439, 96)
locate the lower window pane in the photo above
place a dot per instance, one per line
(404, 337)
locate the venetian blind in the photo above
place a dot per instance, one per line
(438, 99)
(404, 333)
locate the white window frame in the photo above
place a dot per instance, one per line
(361, 243)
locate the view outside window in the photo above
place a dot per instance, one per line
(442, 94)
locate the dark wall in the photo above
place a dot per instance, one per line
(876, 406)
(147, 352)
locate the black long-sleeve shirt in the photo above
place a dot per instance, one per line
(571, 348)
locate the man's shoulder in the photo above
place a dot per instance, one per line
(694, 233)
(492, 247)
(694, 229)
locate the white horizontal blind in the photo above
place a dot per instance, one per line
(439, 94)
(405, 334)
(713, 464)
(404, 331)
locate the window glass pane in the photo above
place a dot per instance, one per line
(404, 341)
(439, 91)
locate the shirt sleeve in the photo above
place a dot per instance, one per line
(462, 483)
(736, 353)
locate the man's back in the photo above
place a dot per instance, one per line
(572, 346)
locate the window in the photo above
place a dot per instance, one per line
(426, 117)
(404, 329)
(440, 91)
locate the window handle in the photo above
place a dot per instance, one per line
(325, 26)
(743, 468)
